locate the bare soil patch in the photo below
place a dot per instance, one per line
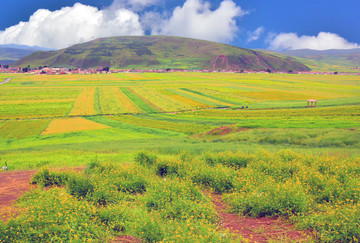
(226, 130)
(12, 185)
(125, 239)
(257, 229)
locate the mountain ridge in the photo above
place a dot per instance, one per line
(10, 53)
(160, 52)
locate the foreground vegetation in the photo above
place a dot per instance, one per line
(162, 198)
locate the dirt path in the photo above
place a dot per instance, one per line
(6, 80)
(256, 229)
(12, 186)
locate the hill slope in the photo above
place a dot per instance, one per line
(151, 52)
(344, 58)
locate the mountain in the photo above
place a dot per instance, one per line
(343, 58)
(159, 52)
(10, 53)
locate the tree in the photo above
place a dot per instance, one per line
(106, 69)
(25, 70)
(268, 70)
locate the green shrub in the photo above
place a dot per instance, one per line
(149, 230)
(145, 158)
(46, 178)
(164, 167)
(231, 159)
(270, 199)
(195, 231)
(338, 223)
(219, 178)
(185, 156)
(178, 199)
(102, 193)
(130, 179)
(98, 167)
(53, 216)
(131, 184)
(115, 217)
(351, 190)
(79, 186)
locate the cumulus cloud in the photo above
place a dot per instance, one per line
(255, 35)
(72, 25)
(80, 23)
(196, 19)
(323, 41)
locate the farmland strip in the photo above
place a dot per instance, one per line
(165, 125)
(137, 100)
(57, 126)
(109, 102)
(218, 100)
(21, 129)
(97, 106)
(127, 105)
(17, 102)
(34, 110)
(166, 103)
(152, 105)
(183, 99)
(84, 104)
(197, 98)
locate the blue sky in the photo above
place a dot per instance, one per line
(274, 24)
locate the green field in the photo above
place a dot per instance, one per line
(171, 112)
(196, 124)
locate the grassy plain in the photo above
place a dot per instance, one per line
(196, 123)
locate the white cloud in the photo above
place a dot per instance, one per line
(324, 41)
(254, 36)
(81, 23)
(195, 19)
(71, 25)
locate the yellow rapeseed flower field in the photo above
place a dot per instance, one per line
(71, 125)
(126, 104)
(183, 99)
(84, 104)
